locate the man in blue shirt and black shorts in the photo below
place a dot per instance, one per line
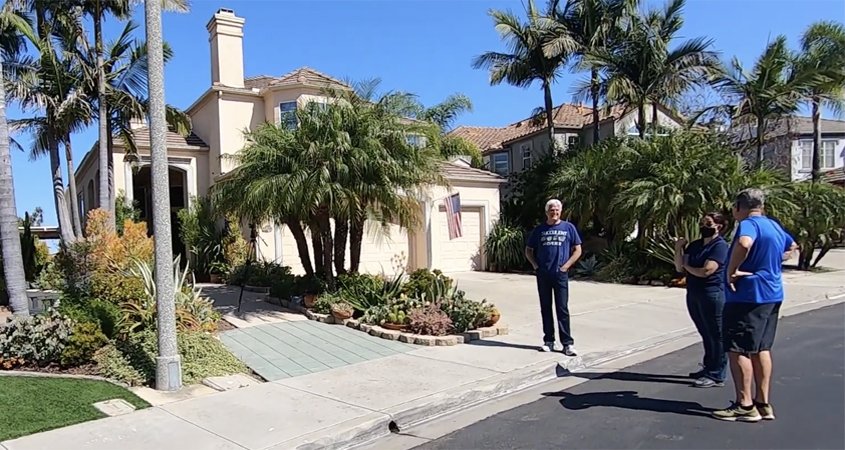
(752, 305)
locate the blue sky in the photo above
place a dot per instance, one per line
(419, 46)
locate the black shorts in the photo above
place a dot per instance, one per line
(750, 327)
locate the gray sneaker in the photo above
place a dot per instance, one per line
(705, 382)
(569, 350)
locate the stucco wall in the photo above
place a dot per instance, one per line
(237, 114)
(204, 121)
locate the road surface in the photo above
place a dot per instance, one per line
(651, 405)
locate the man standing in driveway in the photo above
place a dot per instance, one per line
(553, 247)
(753, 299)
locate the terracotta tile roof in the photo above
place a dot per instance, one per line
(141, 136)
(302, 75)
(454, 171)
(491, 139)
(834, 176)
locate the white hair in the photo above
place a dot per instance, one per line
(553, 202)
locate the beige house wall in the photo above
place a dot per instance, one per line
(237, 115)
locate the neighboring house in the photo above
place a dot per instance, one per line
(514, 147)
(788, 146)
(233, 104)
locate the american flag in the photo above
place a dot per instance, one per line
(453, 210)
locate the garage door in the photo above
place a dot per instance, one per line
(461, 254)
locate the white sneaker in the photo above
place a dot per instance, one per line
(569, 350)
(547, 347)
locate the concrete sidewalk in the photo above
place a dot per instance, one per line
(356, 403)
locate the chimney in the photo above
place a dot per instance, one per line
(226, 35)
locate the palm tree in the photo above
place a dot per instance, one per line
(823, 51)
(642, 69)
(593, 25)
(13, 27)
(771, 90)
(526, 62)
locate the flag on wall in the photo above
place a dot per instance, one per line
(453, 213)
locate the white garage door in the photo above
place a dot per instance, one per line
(461, 254)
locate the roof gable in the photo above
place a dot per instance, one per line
(303, 76)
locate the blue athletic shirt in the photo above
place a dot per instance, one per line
(552, 245)
(699, 253)
(764, 262)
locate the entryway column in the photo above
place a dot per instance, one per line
(128, 190)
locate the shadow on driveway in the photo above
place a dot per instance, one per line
(629, 400)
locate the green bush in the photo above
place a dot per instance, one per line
(324, 303)
(85, 339)
(364, 291)
(105, 314)
(424, 283)
(505, 247)
(376, 315)
(430, 321)
(258, 273)
(37, 340)
(467, 314)
(284, 287)
(112, 364)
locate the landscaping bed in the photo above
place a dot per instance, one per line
(33, 404)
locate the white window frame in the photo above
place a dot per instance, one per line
(527, 157)
(498, 159)
(285, 113)
(569, 144)
(827, 158)
(806, 154)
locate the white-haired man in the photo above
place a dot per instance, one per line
(553, 247)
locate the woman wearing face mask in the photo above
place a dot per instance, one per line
(704, 262)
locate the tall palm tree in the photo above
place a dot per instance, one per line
(525, 61)
(771, 90)
(593, 25)
(643, 69)
(823, 51)
(13, 27)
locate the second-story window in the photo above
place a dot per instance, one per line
(499, 164)
(287, 114)
(414, 140)
(526, 156)
(572, 142)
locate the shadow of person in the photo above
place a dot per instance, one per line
(634, 376)
(629, 400)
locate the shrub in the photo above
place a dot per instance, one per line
(37, 340)
(105, 314)
(364, 291)
(430, 320)
(85, 339)
(342, 308)
(423, 283)
(112, 364)
(202, 236)
(467, 314)
(283, 287)
(505, 247)
(324, 303)
(376, 315)
(258, 273)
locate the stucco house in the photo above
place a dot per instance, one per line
(788, 147)
(234, 103)
(514, 147)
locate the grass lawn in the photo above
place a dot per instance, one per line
(33, 404)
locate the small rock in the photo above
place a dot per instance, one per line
(352, 323)
(468, 337)
(474, 335)
(310, 315)
(487, 332)
(365, 327)
(424, 340)
(114, 407)
(390, 335)
(446, 340)
(657, 283)
(406, 338)
(502, 330)
(375, 332)
(459, 339)
(643, 282)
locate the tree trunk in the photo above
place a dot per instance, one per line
(317, 247)
(761, 129)
(301, 244)
(102, 145)
(341, 234)
(62, 214)
(325, 228)
(654, 118)
(641, 120)
(168, 361)
(594, 93)
(817, 136)
(10, 241)
(74, 199)
(356, 239)
(550, 120)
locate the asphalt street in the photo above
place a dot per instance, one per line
(651, 405)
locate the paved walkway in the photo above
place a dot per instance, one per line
(356, 402)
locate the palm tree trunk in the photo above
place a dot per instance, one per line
(817, 136)
(341, 235)
(301, 244)
(594, 94)
(761, 129)
(102, 148)
(654, 118)
(325, 228)
(317, 247)
(641, 120)
(356, 239)
(62, 214)
(74, 199)
(168, 361)
(550, 121)
(10, 241)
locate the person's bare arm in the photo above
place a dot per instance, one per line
(680, 259)
(738, 256)
(710, 267)
(573, 258)
(791, 252)
(529, 255)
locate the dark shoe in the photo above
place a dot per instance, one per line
(766, 411)
(705, 382)
(736, 413)
(698, 374)
(569, 350)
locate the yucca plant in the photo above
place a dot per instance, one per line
(505, 247)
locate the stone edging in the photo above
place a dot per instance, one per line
(395, 335)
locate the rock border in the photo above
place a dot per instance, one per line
(401, 336)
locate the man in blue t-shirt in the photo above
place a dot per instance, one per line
(753, 299)
(553, 247)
